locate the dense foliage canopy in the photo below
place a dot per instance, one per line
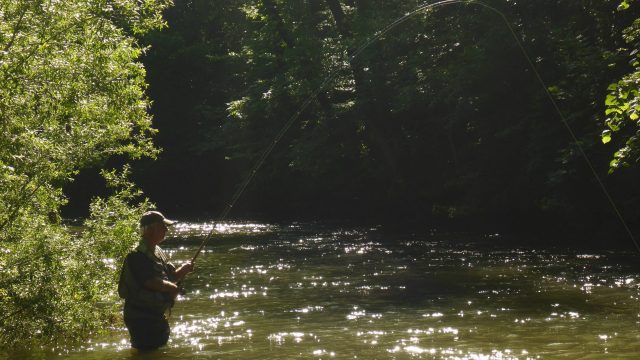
(439, 119)
(71, 95)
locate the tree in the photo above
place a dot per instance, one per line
(439, 118)
(71, 95)
(623, 103)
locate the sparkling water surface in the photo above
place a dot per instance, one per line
(308, 291)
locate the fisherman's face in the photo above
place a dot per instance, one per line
(162, 230)
(157, 232)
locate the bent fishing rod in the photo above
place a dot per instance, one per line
(353, 55)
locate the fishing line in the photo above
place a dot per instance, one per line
(564, 121)
(357, 52)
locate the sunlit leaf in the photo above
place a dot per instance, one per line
(624, 5)
(611, 100)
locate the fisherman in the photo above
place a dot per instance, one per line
(149, 285)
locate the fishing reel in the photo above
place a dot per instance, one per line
(181, 289)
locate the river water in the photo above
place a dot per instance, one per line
(310, 291)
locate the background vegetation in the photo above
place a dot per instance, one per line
(441, 122)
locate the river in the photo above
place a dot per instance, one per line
(313, 291)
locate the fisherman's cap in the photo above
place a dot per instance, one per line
(153, 217)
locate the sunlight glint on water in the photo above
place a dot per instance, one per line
(311, 291)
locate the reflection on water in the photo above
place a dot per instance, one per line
(307, 291)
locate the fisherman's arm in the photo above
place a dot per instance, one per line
(160, 285)
(142, 270)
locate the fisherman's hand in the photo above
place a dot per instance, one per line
(183, 270)
(175, 291)
(188, 267)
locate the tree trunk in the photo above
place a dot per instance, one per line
(272, 12)
(375, 115)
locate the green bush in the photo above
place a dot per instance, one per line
(71, 95)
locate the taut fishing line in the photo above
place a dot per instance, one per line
(267, 151)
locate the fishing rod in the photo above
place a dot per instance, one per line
(360, 49)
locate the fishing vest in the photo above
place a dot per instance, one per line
(139, 301)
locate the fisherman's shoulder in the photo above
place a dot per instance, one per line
(136, 256)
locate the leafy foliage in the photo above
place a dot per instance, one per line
(623, 103)
(439, 119)
(71, 95)
(59, 281)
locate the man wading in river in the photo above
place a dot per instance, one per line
(148, 283)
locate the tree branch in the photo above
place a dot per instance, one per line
(15, 31)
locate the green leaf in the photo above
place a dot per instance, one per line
(611, 100)
(614, 163)
(555, 90)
